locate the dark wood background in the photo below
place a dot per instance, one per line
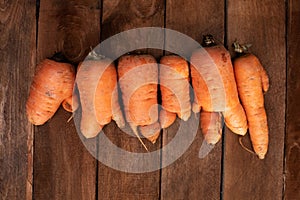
(50, 161)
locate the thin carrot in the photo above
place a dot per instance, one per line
(52, 84)
(215, 88)
(138, 79)
(97, 85)
(252, 80)
(174, 85)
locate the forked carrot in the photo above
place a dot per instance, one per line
(138, 79)
(252, 81)
(97, 85)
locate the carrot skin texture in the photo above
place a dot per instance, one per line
(252, 81)
(52, 84)
(174, 85)
(97, 85)
(215, 87)
(138, 79)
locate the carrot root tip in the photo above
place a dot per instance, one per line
(185, 116)
(261, 156)
(70, 118)
(195, 108)
(134, 129)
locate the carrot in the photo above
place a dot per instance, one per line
(166, 118)
(52, 84)
(70, 104)
(97, 85)
(252, 80)
(174, 86)
(215, 88)
(138, 77)
(151, 132)
(211, 126)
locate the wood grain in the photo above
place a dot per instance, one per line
(63, 168)
(122, 16)
(191, 177)
(17, 58)
(196, 18)
(262, 24)
(114, 184)
(292, 145)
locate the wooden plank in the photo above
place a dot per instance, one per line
(120, 16)
(14, 127)
(262, 24)
(292, 145)
(17, 57)
(63, 168)
(191, 177)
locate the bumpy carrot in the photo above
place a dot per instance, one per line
(138, 79)
(52, 84)
(252, 80)
(215, 88)
(174, 85)
(97, 84)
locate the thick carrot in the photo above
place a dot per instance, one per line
(138, 79)
(97, 84)
(252, 81)
(215, 88)
(52, 84)
(174, 86)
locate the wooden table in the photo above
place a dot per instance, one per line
(50, 162)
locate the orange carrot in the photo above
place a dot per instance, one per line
(252, 80)
(166, 118)
(174, 85)
(215, 88)
(211, 126)
(97, 85)
(151, 132)
(70, 104)
(138, 77)
(52, 84)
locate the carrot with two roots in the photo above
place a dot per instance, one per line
(52, 85)
(216, 91)
(97, 84)
(138, 80)
(174, 86)
(252, 81)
